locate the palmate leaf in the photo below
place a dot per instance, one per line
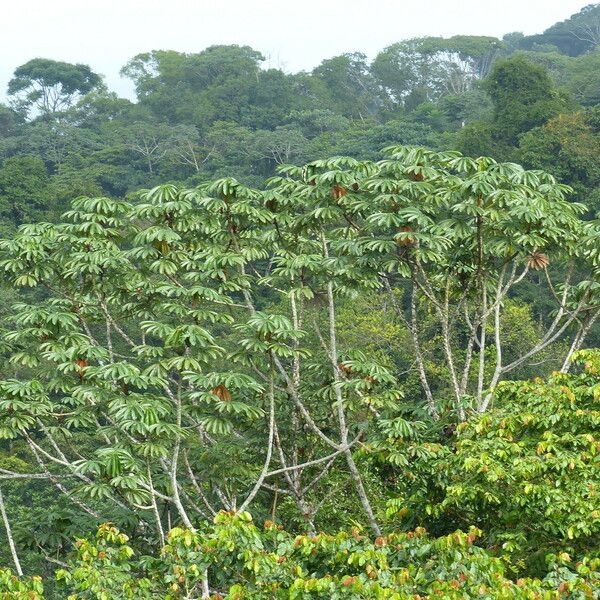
(156, 374)
(26, 280)
(189, 335)
(164, 266)
(23, 389)
(136, 428)
(399, 428)
(120, 371)
(137, 496)
(145, 408)
(110, 461)
(386, 220)
(7, 432)
(96, 491)
(151, 449)
(130, 483)
(146, 351)
(216, 425)
(166, 430)
(26, 359)
(155, 328)
(88, 466)
(231, 379)
(236, 407)
(156, 234)
(81, 419)
(187, 363)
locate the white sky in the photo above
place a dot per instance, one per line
(293, 34)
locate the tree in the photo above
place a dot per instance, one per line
(149, 140)
(281, 146)
(236, 559)
(230, 142)
(574, 36)
(582, 78)
(24, 193)
(530, 460)
(365, 140)
(272, 96)
(523, 96)
(99, 107)
(318, 121)
(54, 141)
(351, 87)
(187, 148)
(9, 120)
(215, 311)
(459, 234)
(567, 145)
(477, 139)
(463, 109)
(424, 69)
(221, 83)
(50, 86)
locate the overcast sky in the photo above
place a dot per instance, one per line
(293, 34)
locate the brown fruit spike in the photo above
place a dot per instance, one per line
(222, 393)
(405, 241)
(81, 365)
(338, 191)
(345, 369)
(537, 261)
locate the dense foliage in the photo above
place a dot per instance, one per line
(270, 563)
(380, 355)
(532, 459)
(217, 112)
(181, 354)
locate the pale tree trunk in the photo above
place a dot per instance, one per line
(11, 541)
(578, 341)
(360, 489)
(265, 468)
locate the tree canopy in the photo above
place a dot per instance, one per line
(50, 85)
(270, 335)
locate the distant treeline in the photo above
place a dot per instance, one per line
(218, 112)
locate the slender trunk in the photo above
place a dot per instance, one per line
(578, 341)
(414, 330)
(11, 541)
(293, 478)
(498, 368)
(159, 526)
(358, 483)
(296, 319)
(265, 468)
(443, 311)
(482, 324)
(451, 366)
(174, 467)
(292, 390)
(205, 588)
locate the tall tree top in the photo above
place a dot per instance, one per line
(50, 85)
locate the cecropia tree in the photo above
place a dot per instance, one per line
(182, 354)
(457, 236)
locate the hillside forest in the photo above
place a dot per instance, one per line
(317, 335)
